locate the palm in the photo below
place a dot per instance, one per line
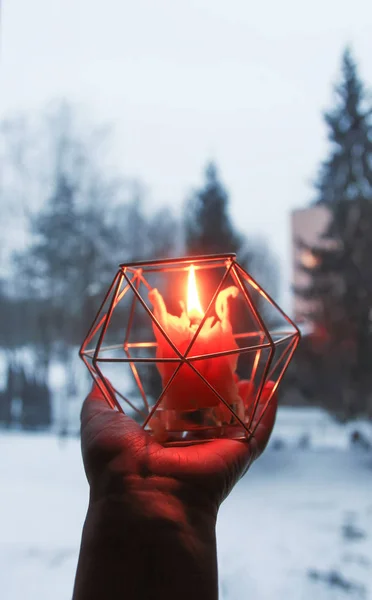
(118, 452)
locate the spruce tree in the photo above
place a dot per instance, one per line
(208, 226)
(209, 229)
(340, 290)
(347, 174)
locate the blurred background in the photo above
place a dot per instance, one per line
(149, 129)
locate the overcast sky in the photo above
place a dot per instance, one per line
(241, 82)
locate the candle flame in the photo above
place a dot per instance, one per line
(193, 302)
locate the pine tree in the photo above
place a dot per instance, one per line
(208, 226)
(347, 174)
(209, 229)
(340, 289)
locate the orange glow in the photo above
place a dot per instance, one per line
(193, 302)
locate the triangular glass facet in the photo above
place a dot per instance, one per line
(189, 404)
(230, 324)
(124, 382)
(91, 340)
(273, 317)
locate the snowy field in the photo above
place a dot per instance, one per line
(298, 526)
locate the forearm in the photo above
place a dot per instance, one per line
(168, 554)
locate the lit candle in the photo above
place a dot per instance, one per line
(188, 391)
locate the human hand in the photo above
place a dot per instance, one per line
(123, 461)
(150, 527)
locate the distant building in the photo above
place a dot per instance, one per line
(307, 225)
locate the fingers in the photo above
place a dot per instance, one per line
(97, 392)
(94, 403)
(242, 453)
(266, 419)
(97, 412)
(97, 415)
(109, 427)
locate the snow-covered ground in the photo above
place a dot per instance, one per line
(297, 527)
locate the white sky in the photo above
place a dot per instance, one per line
(243, 83)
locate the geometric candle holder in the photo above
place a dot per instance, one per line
(192, 348)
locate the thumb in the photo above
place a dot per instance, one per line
(100, 424)
(95, 402)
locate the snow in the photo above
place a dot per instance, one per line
(313, 427)
(291, 512)
(298, 526)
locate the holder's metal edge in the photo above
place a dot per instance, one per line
(180, 259)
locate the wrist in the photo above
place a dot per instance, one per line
(145, 512)
(147, 543)
(160, 502)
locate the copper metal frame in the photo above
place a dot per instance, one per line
(135, 270)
